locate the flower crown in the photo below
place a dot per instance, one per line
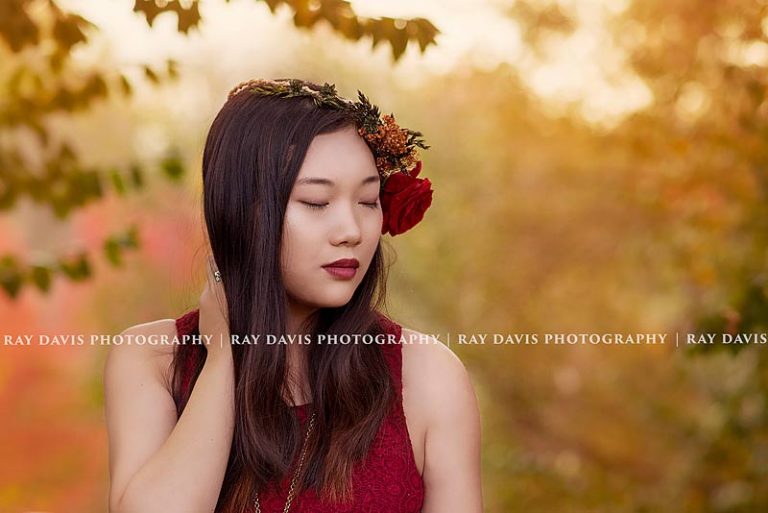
(404, 197)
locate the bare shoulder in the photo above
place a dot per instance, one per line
(426, 354)
(159, 327)
(139, 410)
(436, 376)
(135, 348)
(448, 412)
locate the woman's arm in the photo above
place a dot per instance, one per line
(156, 463)
(452, 471)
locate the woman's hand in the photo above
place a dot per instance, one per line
(214, 314)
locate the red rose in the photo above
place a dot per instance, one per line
(404, 199)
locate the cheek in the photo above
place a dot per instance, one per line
(298, 241)
(300, 219)
(291, 262)
(375, 219)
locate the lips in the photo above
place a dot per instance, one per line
(344, 263)
(344, 268)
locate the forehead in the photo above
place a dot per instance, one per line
(338, 156)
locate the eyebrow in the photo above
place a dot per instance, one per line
(331, 183)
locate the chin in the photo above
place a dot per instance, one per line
(335, 301)
(324, 301)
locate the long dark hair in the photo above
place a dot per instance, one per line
(251, 159)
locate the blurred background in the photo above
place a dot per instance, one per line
(598, 166)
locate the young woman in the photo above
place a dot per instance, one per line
(300, 184)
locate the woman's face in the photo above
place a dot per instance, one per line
(333, 213)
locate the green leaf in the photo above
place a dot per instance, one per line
(10, 276)
(116, 244)
(172, 167)
(117, 182)
(41, 277)
(77, 269)
(132, 237)
(112, 252)
(137, 177)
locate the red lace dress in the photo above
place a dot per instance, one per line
(388, 481)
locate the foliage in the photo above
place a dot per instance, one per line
(40, 80)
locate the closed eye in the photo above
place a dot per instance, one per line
(317, 206)
(320, 206)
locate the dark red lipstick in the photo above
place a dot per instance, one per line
(344, 268)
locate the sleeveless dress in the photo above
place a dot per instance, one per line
(387, 481)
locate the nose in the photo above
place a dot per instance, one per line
(346, 227)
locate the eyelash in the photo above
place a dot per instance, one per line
(320, 206)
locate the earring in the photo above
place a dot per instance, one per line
(217, 275)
